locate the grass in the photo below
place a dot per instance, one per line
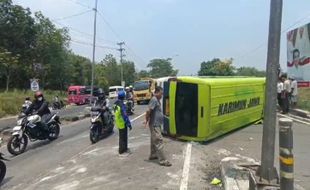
(11, 102)
(304, 98)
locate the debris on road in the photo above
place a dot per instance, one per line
(216, 181)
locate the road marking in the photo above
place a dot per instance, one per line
(137, 117)
(300, 121)
(187, 161)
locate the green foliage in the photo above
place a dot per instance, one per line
(250, 71)
(161, 68)
(111, 70)
(143, 74)
(11, 102)
(216, 67)
(8, 64)
(130, 74)
(303, 98)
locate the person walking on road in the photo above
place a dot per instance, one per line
(122, 123)
(285, 94)
(154, 120)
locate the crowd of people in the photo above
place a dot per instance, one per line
(287, 93)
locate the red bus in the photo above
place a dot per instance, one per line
(78, 95)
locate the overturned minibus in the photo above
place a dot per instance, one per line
(203, 108)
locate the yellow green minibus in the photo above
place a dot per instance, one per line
(201, 109)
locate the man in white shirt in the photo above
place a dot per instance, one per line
(279, 91)
(294, 91)
(285, 94)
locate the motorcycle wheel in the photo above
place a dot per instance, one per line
(94, 135)
(2, 170)
(16, 143)
(54, 132)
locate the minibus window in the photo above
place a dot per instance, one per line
(72, 92)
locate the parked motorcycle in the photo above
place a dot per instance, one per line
(28, 127)
(2, 165)
(129, 107)
(57, 104)
(99, 128)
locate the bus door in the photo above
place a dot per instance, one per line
(166, 107)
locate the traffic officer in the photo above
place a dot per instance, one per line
(122, 122)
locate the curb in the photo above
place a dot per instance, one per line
(296, 118)
(234, 176)
(300, 113)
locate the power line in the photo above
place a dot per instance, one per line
(90, 44)
(81, 4)
(81, 32)
(283, 31)
(71, 16)
(119, 38)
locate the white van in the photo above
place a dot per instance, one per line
(113, 91)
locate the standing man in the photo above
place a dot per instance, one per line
(279, 90)
(122, 123)
(154, 120)
(285, 94)
(294, 91)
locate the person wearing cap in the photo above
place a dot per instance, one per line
(122, 122)
(294, 91)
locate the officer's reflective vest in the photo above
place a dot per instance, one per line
(119, 120)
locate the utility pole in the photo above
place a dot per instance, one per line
(266, 174)
(121, 49)
(94, 49)
(269, 130)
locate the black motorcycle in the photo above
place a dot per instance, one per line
(28, 127)
(57, 105)
(129, 107)
(2, 165)
(99, 128)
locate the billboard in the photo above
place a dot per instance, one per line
(298, 53)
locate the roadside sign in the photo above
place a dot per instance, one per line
(34, 85)
(123, 83)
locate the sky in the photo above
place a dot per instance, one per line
(188, 31)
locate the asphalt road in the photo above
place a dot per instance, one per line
(72, 163)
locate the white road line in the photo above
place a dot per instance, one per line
(300, 121)
(187, 161)
(137, 117)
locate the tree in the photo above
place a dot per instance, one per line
(80, 69)
(112, 70)
(18, 37)
(130, 74)
(143, 74)
(216, 67)
(51, 49)
(250, 71)
(8, 63)
(161, 68)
